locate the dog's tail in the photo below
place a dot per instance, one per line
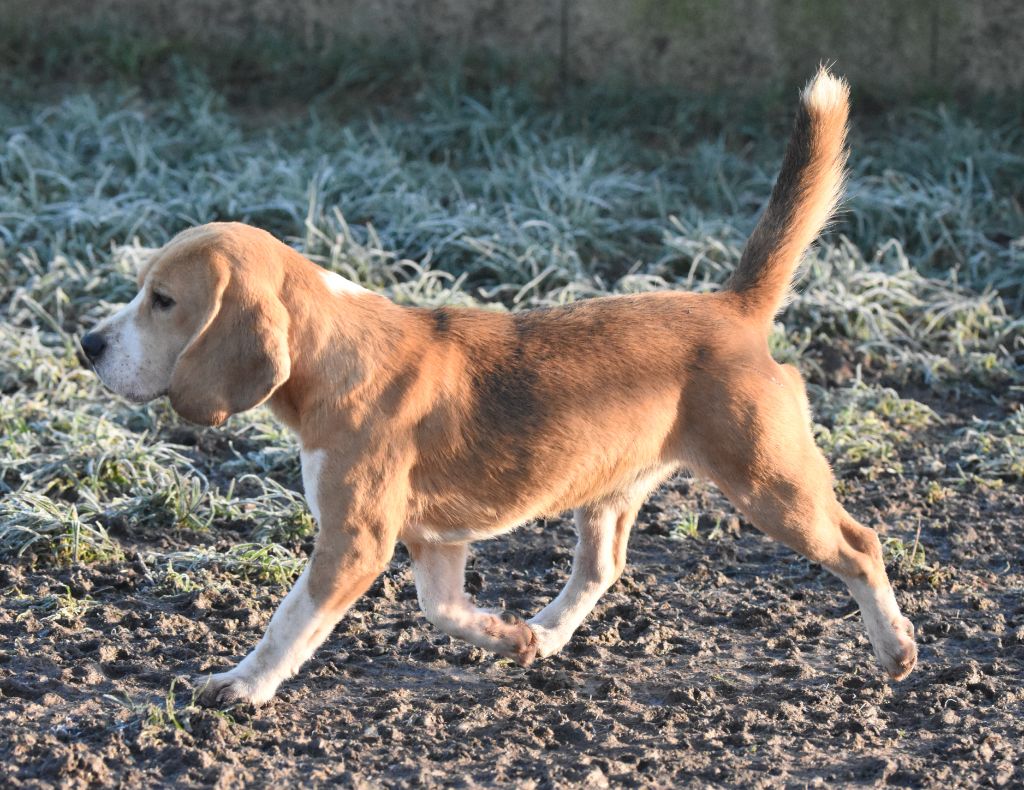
(803, 199)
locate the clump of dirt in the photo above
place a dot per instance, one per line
(720, 657)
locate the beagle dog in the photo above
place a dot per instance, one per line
(439, 427)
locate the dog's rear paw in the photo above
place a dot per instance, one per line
(229, 688)
(548, 641)
(900, 657)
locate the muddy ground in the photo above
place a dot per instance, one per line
(717, 659)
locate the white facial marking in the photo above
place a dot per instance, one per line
(130, 366)
(340, 285)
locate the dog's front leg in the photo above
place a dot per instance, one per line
(353, 547)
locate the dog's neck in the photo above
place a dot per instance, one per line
(343, 355)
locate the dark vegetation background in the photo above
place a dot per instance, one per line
(513, 155)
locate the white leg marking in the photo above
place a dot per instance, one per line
(312, 466)
(440, 575)
(593, 572)
(891, 634)
(296, 630)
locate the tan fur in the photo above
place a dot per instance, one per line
(438, 427)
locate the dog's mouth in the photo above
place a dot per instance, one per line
(132, 396)
(135, 397)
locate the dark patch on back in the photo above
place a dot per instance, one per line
(549, 332)
(507, 394)
(442, 321)
(510, 412)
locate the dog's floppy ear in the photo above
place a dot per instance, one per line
(236, 360)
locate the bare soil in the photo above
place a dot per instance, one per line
(720, 659)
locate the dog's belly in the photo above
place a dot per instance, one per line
(465, 521)
(420, 532)
(471, 521)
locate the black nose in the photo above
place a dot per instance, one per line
(93, 345)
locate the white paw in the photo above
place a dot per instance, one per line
(899, 653)
(549, 641)
(229, 688)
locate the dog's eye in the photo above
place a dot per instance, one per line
(161, 302)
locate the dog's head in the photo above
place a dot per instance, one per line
(207, 327)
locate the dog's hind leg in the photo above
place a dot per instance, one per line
(440, 570)
(770, 468)
(597, 564)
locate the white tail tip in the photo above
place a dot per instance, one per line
(825, 92)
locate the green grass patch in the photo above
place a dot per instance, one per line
(867, 427)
